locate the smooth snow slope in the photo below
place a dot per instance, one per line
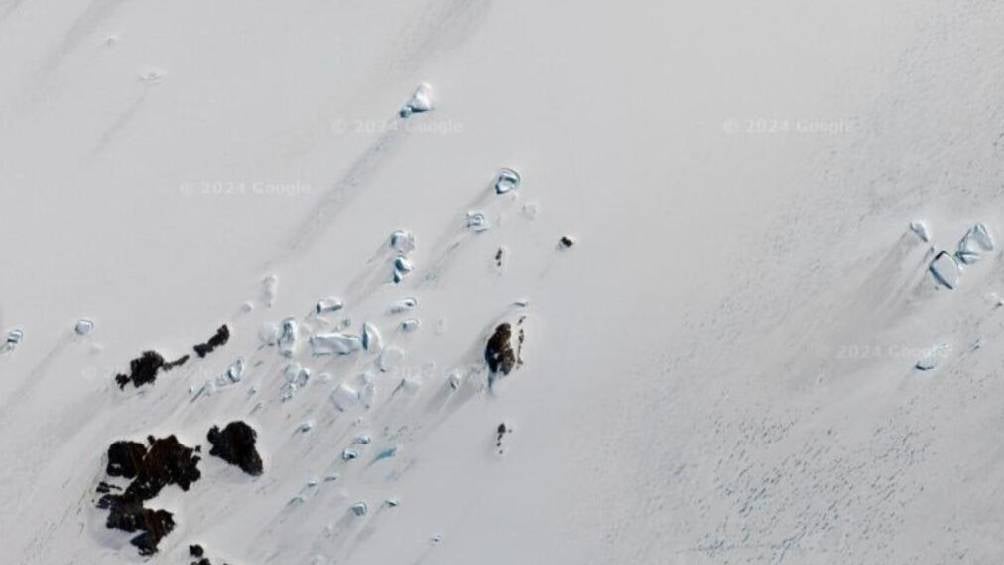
(719, 371)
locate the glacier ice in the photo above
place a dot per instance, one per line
(945, 270)
(402, 266)
(288, 334)
(919, 228)
(371, 337)
(402, 241)
(477, 221)
(329, 304)
(403, 305)
(973, 244)
(270, 288)
(335, 344)
(506, 180)
(420, 101)
(83, 326)
(390, 358)
(934, 357)
(344, 397)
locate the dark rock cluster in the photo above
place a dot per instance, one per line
(143, 370)
(163, 462)
(221, 337)
(236, 445)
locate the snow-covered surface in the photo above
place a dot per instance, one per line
(722, 369)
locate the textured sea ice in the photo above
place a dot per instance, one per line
(269, 290)
(420, 101)
(403, 305)
(288, 335)
(268, 333)
(233, 375)
(934, 357)
(335, 344)
(506, 180)
(390, 358)
(945, 270)
(344, 397)
(297, 374)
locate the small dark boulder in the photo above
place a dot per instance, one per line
(236, 445)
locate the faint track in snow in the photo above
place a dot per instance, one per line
(341, 193)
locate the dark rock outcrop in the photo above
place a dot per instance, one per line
(221, 337)
(143, 370)
(499, 354)
(236, 445)
(164, 462)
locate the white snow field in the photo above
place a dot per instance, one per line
(745, 351)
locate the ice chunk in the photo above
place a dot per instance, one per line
(919, 228)
(455, 379)
(420, 101)
(477, 221)
(945, 270)
(297, 374)
(305, 427)
(402, 241)
(362, 440)
(234, 374)
(934, 357)
(359, 509)
(349, 454)
(390, 358)
(14, 338)
(335, 344)
(403, 305)
(371, 338)
(329, 304)
(392, 502)
(410, 325)
(344, 397)
(269, 290)
(83, 326)
(506, 180)
(269, 333)
(973, 244)
(402, 266)
(386, 453)
(288, 335)
(368, 393)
